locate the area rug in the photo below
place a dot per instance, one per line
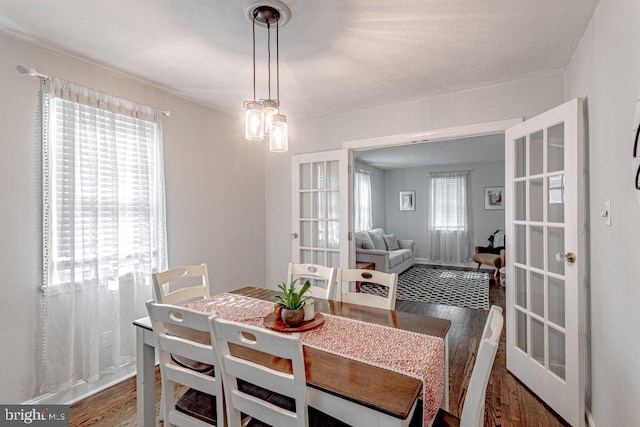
(450, 287)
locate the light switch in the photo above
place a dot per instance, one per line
(606, 213)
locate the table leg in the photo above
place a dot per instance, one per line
(445, 398)
(145, 381)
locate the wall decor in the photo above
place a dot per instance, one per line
(408, 200)
(493, 198)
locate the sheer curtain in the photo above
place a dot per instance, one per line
(363, 218)
(448, 217)
(103, 226)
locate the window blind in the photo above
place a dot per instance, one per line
(449, 201)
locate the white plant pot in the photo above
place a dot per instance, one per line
(309, 310)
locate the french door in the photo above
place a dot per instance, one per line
(320, 216)
(545, 257)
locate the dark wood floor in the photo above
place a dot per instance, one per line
(508, 403)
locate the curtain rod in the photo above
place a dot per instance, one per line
(34, 73)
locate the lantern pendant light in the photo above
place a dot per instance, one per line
(264, 117)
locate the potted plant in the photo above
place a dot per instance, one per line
(292, 302)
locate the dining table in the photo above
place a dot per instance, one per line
(348, 388)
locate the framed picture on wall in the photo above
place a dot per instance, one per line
(408, 200)
(493, 198)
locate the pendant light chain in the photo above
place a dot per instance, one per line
(278, 59)
(269, 55)
(254, 58)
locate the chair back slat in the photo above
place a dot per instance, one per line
(285, 346)
(379, 278)
(473, 408)
(314, 272)
(181, 332)
(165, 278)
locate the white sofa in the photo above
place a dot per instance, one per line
(386, 260)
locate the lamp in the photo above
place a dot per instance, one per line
(264, 117)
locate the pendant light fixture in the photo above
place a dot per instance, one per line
(264, 117)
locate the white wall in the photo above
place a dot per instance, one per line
(522, 98)
(606, 70)
(414, 224)
(215, 196)
(377, 193)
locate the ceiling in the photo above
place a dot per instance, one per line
(336, 55)
(479, 149)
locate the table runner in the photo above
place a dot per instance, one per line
(409, 353)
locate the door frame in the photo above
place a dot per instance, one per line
(420, 137)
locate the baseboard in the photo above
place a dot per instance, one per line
(421, 261)
(590, 421)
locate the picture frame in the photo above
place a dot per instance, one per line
(493, 198)
(407, 200)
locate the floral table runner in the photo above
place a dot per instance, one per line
(409, 353)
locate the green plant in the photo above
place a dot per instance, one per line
(290, 298)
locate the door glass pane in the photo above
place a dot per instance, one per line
(520, 157)
(332, 174)
(536, 248)
(521, 287)
(536, 204)
(537, 293)
(318, 175)
(556, 246)
(556, 301)
(535, 153)
(305, 233)
(319, 204)
(520, 199)
(305, 256)
(521, 330)
(557, 361)
(305, 176)
(333, 241)
(556, 198)
(521, 244)
(537, 340)
(319, 234)
(555, 149)
(305, 205)
(319, 257)
(333, 204)
(333, 259)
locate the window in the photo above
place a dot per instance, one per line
(449, 201)
(363, 219)
(104, 229)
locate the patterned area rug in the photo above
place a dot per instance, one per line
(451, 287)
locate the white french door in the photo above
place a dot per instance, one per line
(545, 257)
(320, 216)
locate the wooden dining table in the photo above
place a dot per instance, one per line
(352, 391)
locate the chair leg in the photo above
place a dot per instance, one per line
(478, 269)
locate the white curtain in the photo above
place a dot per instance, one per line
(448, 238)
(363, 217)
(104, 229)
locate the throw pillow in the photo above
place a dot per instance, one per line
(377, 236)
(391, 241)
(498, 239)
(362, 239)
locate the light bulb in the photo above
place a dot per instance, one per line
(253, 121)
(279, 134)
(270, 108)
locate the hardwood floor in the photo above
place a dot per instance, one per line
(508, 403)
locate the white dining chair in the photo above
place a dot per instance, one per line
(378, 278)
(314, 273)
(287, 404)
(474, 402)
(163, 280)
(183, 343)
